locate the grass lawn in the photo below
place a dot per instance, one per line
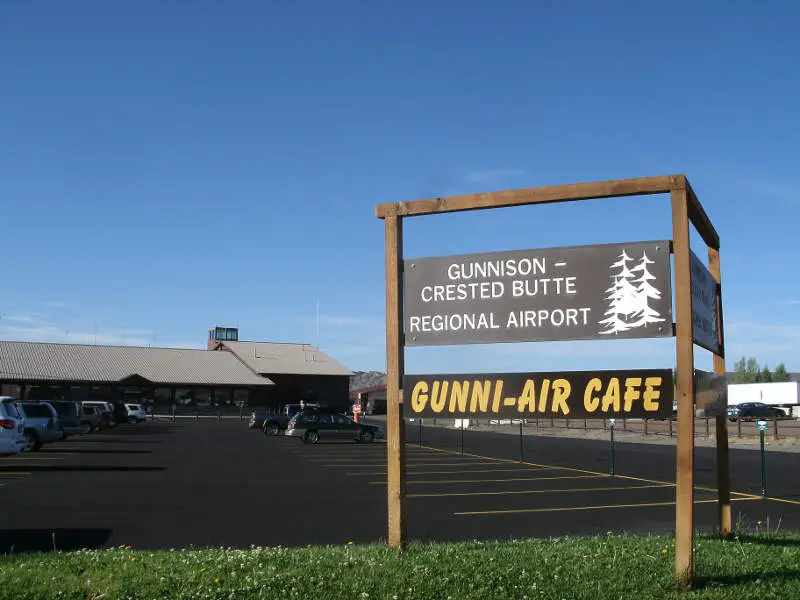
(759, 566)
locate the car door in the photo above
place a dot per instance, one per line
(346, 428)
(326, 428)
(761, 410)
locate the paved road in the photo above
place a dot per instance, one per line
(209, 483)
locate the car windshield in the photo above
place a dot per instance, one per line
(11, 410)
(307, 417)
(63, 408)
(37, 410)
(133, 406)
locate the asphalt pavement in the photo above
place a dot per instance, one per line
(167, 484)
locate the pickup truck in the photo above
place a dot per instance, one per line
(275, 423)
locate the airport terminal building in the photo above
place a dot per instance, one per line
(227, 375)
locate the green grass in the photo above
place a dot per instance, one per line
(759, 566)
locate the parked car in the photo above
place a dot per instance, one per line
(106, 413)
(12, 427)
(91, 418)
(273, 424)
(135, 413)
(69, 416)
(748, 411)
(41, 424)
(313, 425)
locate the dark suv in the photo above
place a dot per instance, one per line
(313, 425)
(748, 411)
(69, 416)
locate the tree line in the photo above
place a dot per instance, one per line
(749, 371)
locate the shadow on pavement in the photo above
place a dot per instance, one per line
(89, 440)
(49, 540)
(68, 468)
(94, 451)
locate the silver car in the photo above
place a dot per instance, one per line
(313, 425)
(12, 424)
(41, 424)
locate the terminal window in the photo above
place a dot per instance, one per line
(226, 334)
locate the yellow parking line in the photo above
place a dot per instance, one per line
(696, 487)
(599, 507)
(353, 451)
(526, 469)
(742, 494)
(441, 481)
(342, 447)
(408, 464)
(382, 459)
(439, 464)
(777, 499)
(517, 492)
(575, 470)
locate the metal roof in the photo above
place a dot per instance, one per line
(29, 361)
(276, 358)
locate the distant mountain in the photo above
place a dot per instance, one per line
(366, 379)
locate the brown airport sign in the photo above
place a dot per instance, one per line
(607, 291)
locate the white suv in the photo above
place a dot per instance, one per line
(135, 413)
(12, 427)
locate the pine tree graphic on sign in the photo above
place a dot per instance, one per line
(646, 314)
(629, 296)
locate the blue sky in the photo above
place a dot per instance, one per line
(168, 167)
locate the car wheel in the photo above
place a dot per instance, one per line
(366, 436)
(33, 441)
(272, 429)
(311, 437)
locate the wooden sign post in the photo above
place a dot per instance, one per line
(703, 326)
(395, 354)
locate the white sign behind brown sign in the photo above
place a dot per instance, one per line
(704, 306)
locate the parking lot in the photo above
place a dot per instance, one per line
(165, 484)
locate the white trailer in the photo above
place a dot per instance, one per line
(784, 393)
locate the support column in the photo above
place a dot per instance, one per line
(395, 425)
(723, 457)
(684, 391)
